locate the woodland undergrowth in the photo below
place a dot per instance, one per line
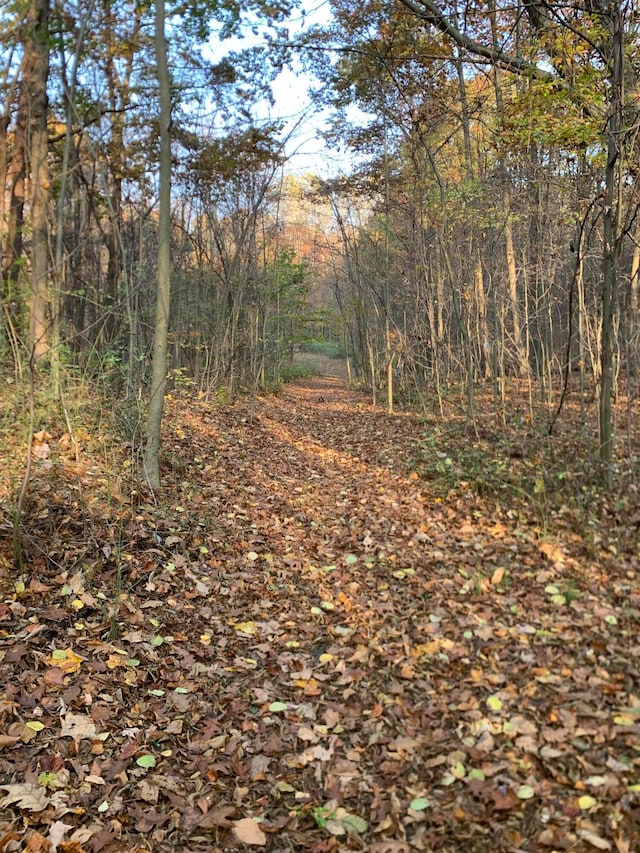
(335, 629)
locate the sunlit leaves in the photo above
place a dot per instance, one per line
(555, 595)
(450, 705)
(625, 719)
(65, 659)
(78, 726)
(25, 796)
(248, 628)
(525, 792)
(494, 703)
(337, 821)
(248, 831)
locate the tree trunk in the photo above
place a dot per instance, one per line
(159, 363)
(119, 55)
(612, 239)
(13, 172)
(483, 338)
(512, 273)
(37, 71)
(633, 324)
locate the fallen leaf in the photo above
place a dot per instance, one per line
(65, 659)
(525, 792)
(57, 832)
(78, 726)
(249, 832)
(218, 817)
(354, 823)
(258, 767)
(37, 843)
(26, 796)
(498, 576)
(594, 839)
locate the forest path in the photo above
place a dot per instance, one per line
(306, 647)
(323, 468)
(425, 649)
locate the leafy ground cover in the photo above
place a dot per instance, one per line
(339, 630)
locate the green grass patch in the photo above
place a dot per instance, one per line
(331, 349)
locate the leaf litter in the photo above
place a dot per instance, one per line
(306, 646)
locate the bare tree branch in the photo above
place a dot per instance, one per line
(431, 13)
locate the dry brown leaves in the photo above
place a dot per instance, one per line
(306, 647)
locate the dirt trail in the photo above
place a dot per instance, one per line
(321, 365)
(338, 472)
(318, 653)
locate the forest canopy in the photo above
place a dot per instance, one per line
(484, 225)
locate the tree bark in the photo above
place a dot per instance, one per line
(13, 172)
(37, 72)
(612, 241)
(163, 290)
(512, 274)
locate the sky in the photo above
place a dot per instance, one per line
(305, 149)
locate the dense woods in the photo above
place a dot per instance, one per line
(489, 231)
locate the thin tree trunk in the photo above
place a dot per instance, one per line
(118, 71)
(13, 168)
(512, 272)
(581, 352)
(37, 63)
(633, 324)
(59, 260)
(7, 329)
(464, 111)
(611, 215)
(159, 364)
